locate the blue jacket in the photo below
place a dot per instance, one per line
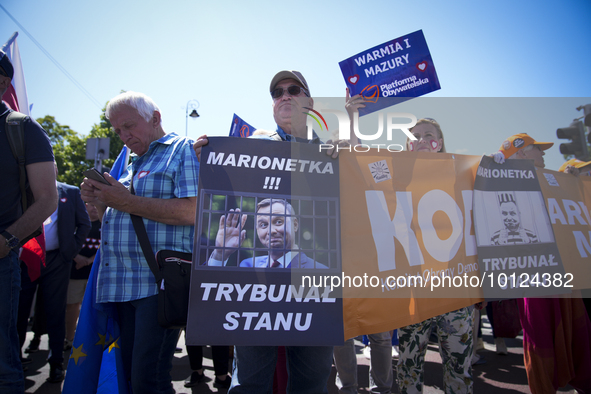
(73, 223)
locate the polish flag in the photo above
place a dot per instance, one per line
(16, 95)
(33, 252)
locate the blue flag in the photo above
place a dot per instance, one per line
(240, 128)
(392, 72)
(95, 364)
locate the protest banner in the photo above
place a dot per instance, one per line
(406, 221)
(567, 199)
(240, 128)
(237, 296)
(517, 252)
(389, 239)
(398, 69)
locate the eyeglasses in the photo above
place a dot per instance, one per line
(293, 90)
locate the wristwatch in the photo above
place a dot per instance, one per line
(11, 241)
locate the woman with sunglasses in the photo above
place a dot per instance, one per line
(454, 329)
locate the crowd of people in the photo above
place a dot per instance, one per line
(160, 186)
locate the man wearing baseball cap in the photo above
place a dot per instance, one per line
(309, 367)
(291, 98)
(16, 225)
(522, 146)
(291, 102)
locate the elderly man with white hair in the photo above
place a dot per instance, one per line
(164, 177)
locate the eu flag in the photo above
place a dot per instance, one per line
(95, 364)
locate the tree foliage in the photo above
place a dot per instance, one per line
(69, 147)
(102, 130)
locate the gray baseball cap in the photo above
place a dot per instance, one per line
(289, 74)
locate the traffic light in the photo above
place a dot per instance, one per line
(587, 117)
(578, 145)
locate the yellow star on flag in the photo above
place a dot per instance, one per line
(101, 340)
(114, 345)
(77, 353)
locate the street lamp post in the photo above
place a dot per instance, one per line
(192, 106)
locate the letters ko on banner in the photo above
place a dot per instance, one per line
(392, 72)
(407, 223)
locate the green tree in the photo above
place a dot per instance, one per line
(69, 147)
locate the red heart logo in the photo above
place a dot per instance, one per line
(422, 66)
(354, 79)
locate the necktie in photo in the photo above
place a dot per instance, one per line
(275, 264)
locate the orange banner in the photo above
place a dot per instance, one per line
(408, 245)
(567, 198)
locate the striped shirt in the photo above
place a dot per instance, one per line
(168, 170)
(521, 236)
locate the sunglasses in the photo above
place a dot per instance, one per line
(293, 90)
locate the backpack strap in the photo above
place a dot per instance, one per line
(15, 132)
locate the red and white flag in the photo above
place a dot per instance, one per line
(16, 95)
(33, 252)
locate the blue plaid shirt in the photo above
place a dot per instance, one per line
(168, 170)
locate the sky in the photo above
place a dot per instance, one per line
(504, 67)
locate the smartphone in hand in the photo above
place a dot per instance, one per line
(95, 176)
